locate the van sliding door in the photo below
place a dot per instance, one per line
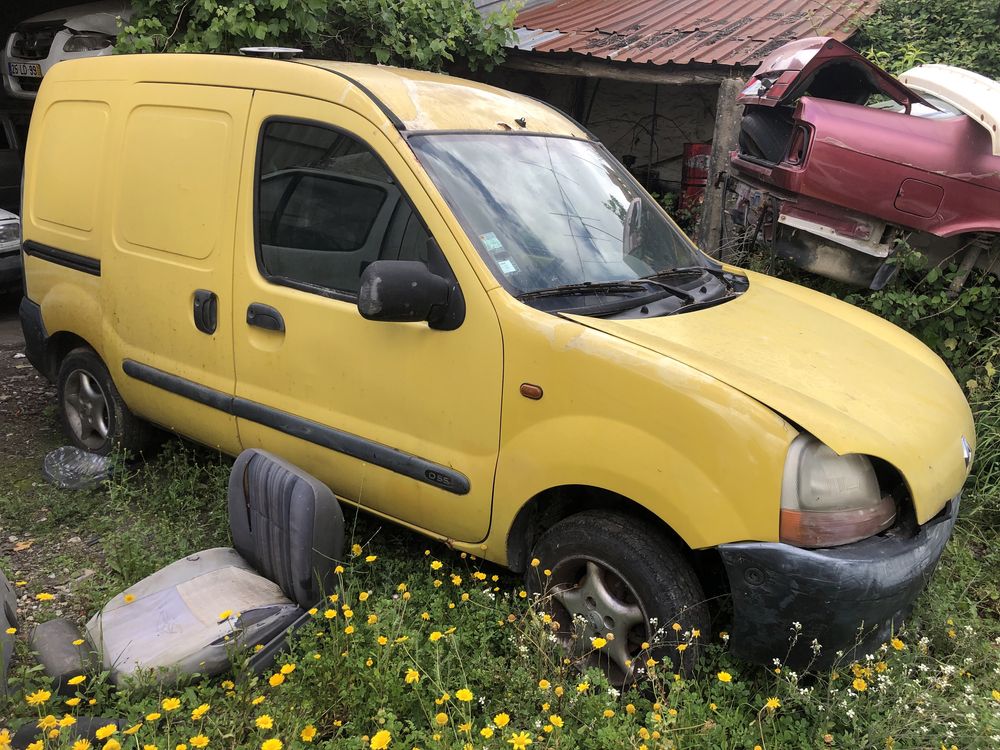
(170, 267)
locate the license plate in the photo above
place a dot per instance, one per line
(25, 70)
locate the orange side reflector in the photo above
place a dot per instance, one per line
(532, 391)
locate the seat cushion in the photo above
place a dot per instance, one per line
(286, 524)
(169, 623)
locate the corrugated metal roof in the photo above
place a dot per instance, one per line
(722, 32)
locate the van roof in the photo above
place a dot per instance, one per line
(407, 100)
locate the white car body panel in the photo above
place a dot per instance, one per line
(970, 93)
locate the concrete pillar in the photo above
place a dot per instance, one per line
(727, 129)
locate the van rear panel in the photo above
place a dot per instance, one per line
(129, 215)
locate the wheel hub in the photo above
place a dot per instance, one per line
(86, 409)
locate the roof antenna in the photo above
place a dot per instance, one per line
(274, 53)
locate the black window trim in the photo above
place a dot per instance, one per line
(303, 286)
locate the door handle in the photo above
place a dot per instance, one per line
(265, 316)
(206, 311)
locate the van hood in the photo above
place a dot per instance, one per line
(853, 380)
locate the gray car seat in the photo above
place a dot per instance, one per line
(8, 619)
(195, 614)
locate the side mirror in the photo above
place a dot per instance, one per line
(402, 291)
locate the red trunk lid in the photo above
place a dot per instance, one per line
(787, 73)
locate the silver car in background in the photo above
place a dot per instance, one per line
(41, 41)
(10, 251)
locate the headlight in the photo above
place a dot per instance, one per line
(828, 499)
(87, 42)
(10, 235)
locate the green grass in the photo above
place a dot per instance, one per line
(936, 690)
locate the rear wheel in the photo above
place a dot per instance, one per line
(615, 577)
(91, 410)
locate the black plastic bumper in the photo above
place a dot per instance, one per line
(35, 336)
(848, 598)
(10, 270)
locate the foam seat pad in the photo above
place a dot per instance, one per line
(170, 624)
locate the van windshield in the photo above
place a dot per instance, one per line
(550, 214)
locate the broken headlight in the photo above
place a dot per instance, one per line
(828, 499)
(88, 42)
(10, 235)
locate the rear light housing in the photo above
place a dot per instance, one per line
(798, 146)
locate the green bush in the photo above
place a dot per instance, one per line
(425, 34)
(965, 33)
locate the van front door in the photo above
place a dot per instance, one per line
(396, 417)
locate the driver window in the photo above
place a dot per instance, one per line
(326, 208)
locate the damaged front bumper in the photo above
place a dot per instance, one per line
(850, 599)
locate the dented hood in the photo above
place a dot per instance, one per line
(99, 17)
(785, 73)
(856, 382)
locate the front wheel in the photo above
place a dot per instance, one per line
(611, 576)
(91, 410)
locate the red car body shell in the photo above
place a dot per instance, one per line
(933, 174)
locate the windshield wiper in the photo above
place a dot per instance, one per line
(589, 287)
(718, 273)
(677, 292)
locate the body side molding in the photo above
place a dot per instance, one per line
(393, 459)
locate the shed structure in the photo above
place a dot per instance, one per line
(649, 76)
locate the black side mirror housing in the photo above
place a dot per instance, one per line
(406, 291)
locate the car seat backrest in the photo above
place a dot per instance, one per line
(286, 524)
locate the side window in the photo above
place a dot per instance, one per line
(327, 207)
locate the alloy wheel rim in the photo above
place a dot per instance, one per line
(87, 410)
(591, 599)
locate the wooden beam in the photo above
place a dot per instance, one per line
(560, 64)
(727, 130)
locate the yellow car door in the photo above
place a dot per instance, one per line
(399, 418)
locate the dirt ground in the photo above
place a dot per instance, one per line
(27, 424)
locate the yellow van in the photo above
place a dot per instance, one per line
(453, 306)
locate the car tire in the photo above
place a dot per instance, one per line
(765, 135)
(621, 575)
(92, 412)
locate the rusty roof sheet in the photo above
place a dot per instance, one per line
(720, 32)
